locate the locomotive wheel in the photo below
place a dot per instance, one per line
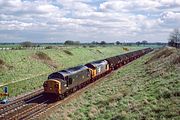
(61, 97)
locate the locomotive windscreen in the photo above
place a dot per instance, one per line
(56, 75)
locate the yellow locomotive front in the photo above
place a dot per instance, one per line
(55, 84)
(52, 86)
(64, 82)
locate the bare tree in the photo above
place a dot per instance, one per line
(144, 42)
(138, 43)
(102, 43)
(118, 43)
(174, 36)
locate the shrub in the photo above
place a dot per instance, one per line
(27, 44)
(2, 62)
(42, 56)
(92, 46)
(69, 42)
(49, 47)
(68, 52)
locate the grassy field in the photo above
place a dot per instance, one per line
(148, 88)
(9, 46)
(25, 70)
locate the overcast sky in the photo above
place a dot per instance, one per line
(88, 20)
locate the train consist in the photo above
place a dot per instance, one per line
(65, 82)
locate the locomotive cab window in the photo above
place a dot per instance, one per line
(70, 81)
(66, 78)
(106, 67)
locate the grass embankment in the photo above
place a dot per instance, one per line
(148, 88)
(25, 70)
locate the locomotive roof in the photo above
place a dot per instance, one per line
(63, 73)
(94, 64)
(98, 62)
(76, 69)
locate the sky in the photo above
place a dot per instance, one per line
(88, 20)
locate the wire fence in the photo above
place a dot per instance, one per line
(24, 48)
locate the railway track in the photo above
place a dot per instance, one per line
(19, 104)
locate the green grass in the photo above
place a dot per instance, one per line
(22, 66)
(133, 92)
(9, 46)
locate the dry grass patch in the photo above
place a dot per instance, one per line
(3, 65)
(2, 62)
(68, 52)
(176, 59)
(160, 54)
(163, 61)
(43, 57)
(94, 111)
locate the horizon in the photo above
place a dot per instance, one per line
(80, 42)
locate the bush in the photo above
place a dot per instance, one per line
(49, 47)
(42, 56)
(2, 62)
(27, 44)
(92, 46)
(69, 42)
(68, 52)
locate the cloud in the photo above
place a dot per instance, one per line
(88, 20)
(169, 19)
(170, 16)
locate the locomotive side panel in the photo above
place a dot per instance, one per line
(101, 68)
(78, 78)
(98, 67)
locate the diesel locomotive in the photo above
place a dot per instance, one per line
(64, 82)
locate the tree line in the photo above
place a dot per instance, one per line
(71, 42)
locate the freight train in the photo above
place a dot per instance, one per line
(64, 82)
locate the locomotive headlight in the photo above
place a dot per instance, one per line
(56, 85)
(89, 75)
(45, 85)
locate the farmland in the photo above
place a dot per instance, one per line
(147, 88)
(25, 70)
